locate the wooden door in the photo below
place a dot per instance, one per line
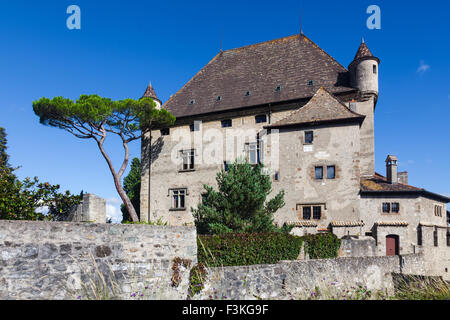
(392, 245)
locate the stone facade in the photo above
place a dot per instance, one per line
(52, 260)
(92, 208)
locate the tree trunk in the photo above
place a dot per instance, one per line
(120, 191)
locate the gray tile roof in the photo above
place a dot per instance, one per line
(323, 107)
(295, 64)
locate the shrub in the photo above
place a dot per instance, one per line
(322, 245)
(240, 204)
(235, 249)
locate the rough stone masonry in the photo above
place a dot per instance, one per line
(52, 260)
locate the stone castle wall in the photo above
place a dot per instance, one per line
(52, 260)
(299, 279)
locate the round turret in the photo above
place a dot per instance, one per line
(364, 70)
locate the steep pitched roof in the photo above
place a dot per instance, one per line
(150, 93)
(379, 184)
(322, 107)
(363, 53)
(290, 62)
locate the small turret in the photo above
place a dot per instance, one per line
(364, 70)
(150, 93)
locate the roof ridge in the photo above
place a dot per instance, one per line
(263, 42)
(299, 36)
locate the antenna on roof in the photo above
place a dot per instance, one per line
(221, 40)
(301, 18)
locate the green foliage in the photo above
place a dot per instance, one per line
(20, 200)
(240, 203)
(197, 277)
(132, 187)
(159, 222)
(89, 113)
(238, 249)
(3, 155)
(322, 245)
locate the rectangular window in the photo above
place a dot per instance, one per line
(448, 238)
(195, 126)
(261, 118)
(226, 165)
(165, 131)
(395, 207)
(435, 237)
(226, 123)
(276, 176)
(374, 68)
(254, 152)
(188, 159)
(331, 172)
(178, 199)
(386, 207)
(317, 212)
(438, 211)
(319, 173)
(419, 235)
(309, 137)
(306, 213)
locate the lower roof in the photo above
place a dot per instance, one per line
(378, 184)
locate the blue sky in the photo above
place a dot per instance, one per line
(123, 45)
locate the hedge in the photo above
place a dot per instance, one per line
(322, 245)
(235, 249)
(239, 249)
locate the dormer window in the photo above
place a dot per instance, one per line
(278, 88)
(191, 102)
(310, 82)
(219, 98)
(247, 93)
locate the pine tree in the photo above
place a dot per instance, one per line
(240, 203)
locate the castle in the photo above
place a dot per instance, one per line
(310, 121)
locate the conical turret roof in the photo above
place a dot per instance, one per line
(150, 93)
(364, 53)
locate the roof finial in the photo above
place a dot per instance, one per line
(362, 40)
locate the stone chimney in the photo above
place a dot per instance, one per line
(391, 169)
(403, 177)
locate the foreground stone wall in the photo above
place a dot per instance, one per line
(60, 260)
(299, 279)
